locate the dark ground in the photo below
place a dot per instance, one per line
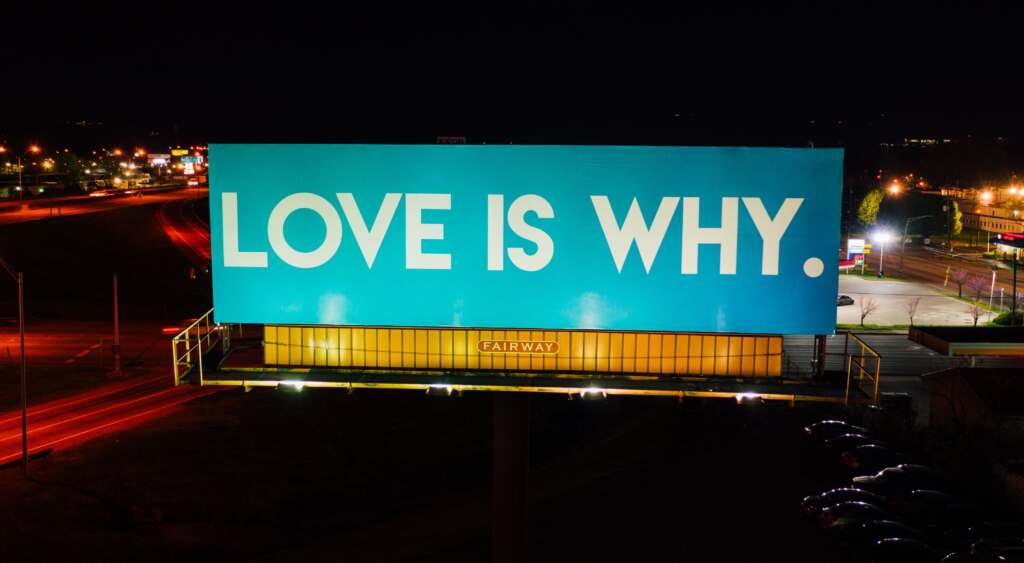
(394, 476)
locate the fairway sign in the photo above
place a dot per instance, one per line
(697, 239)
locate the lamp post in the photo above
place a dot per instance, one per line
(881, 237)
(17, 276)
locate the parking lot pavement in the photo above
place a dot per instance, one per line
(892, 298)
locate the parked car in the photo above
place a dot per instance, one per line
(843, 300)
(826, 429)
(814, 504)
(961, 538)
(845, 442)
(902, 550)
(871, 457)
(846, 513)
(900, 480)
(863, 535)
(966, 557)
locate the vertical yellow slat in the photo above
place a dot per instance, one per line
(550, 360)
(306, 341)
(377, 348)
(358, 346)
(589, 351)
(735, 353)
(707, 359)
(395, 335)
(342, 340)
(668, 353)
(747, 353)
(576, 351)
(615, 352)
(629, 352)
(459, 349)
(472, 349)
(721, 355)
(319, 347)
(564, 350)
(775, 356)
(603, 360)
(643, 352)
(270, 345)
(486, 358)
(420, 350)
(408, 348)
(654, 353)
(446, 349)
(682, 352)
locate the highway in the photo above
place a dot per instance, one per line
(72, 396)
(930, 267)
(78, 417)
(42, 209)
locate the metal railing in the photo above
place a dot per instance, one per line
(868, 364)
(198, 338)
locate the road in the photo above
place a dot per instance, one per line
(931, 268)
(39, 210)
(79, 417)
(72, 396)
(187, 228)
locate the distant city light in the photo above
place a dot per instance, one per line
(986, 196)
(894, 187)
(34, 149)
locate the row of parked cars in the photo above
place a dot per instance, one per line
(891, 509)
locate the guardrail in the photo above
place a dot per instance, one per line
(198, 338)
(868, 363)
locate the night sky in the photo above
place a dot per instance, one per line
(164, 73)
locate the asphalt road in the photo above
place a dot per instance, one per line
(931, 268)
(37, 210)
(62, 423)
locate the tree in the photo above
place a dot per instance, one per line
(867, 306)
(912, 308)
(867, 211)
(975, 311)
(70, 167)
(958, 225)
(960, 276)
(977, 284)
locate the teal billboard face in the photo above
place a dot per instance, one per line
(562, 237)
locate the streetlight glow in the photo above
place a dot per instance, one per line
(34, 149)
(986, 196)
(894, 187)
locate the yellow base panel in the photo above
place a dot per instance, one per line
(563, 351)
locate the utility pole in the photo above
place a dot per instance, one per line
(117, 334)
(19, 277)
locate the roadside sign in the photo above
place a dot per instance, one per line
(190, 160)
(538, 237)
(179, 152)
(854, 246)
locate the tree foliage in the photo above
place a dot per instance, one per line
(867, 211)
(958, 225)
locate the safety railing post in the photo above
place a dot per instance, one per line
(849, 369)
(174, 359)
(199, 349)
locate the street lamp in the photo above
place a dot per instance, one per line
(33, 149)
(881, 237)
(894, 188)
(24, 395)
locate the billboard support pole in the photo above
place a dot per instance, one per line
(819, 364)
(510, 477)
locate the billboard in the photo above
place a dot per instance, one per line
(698, 239)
